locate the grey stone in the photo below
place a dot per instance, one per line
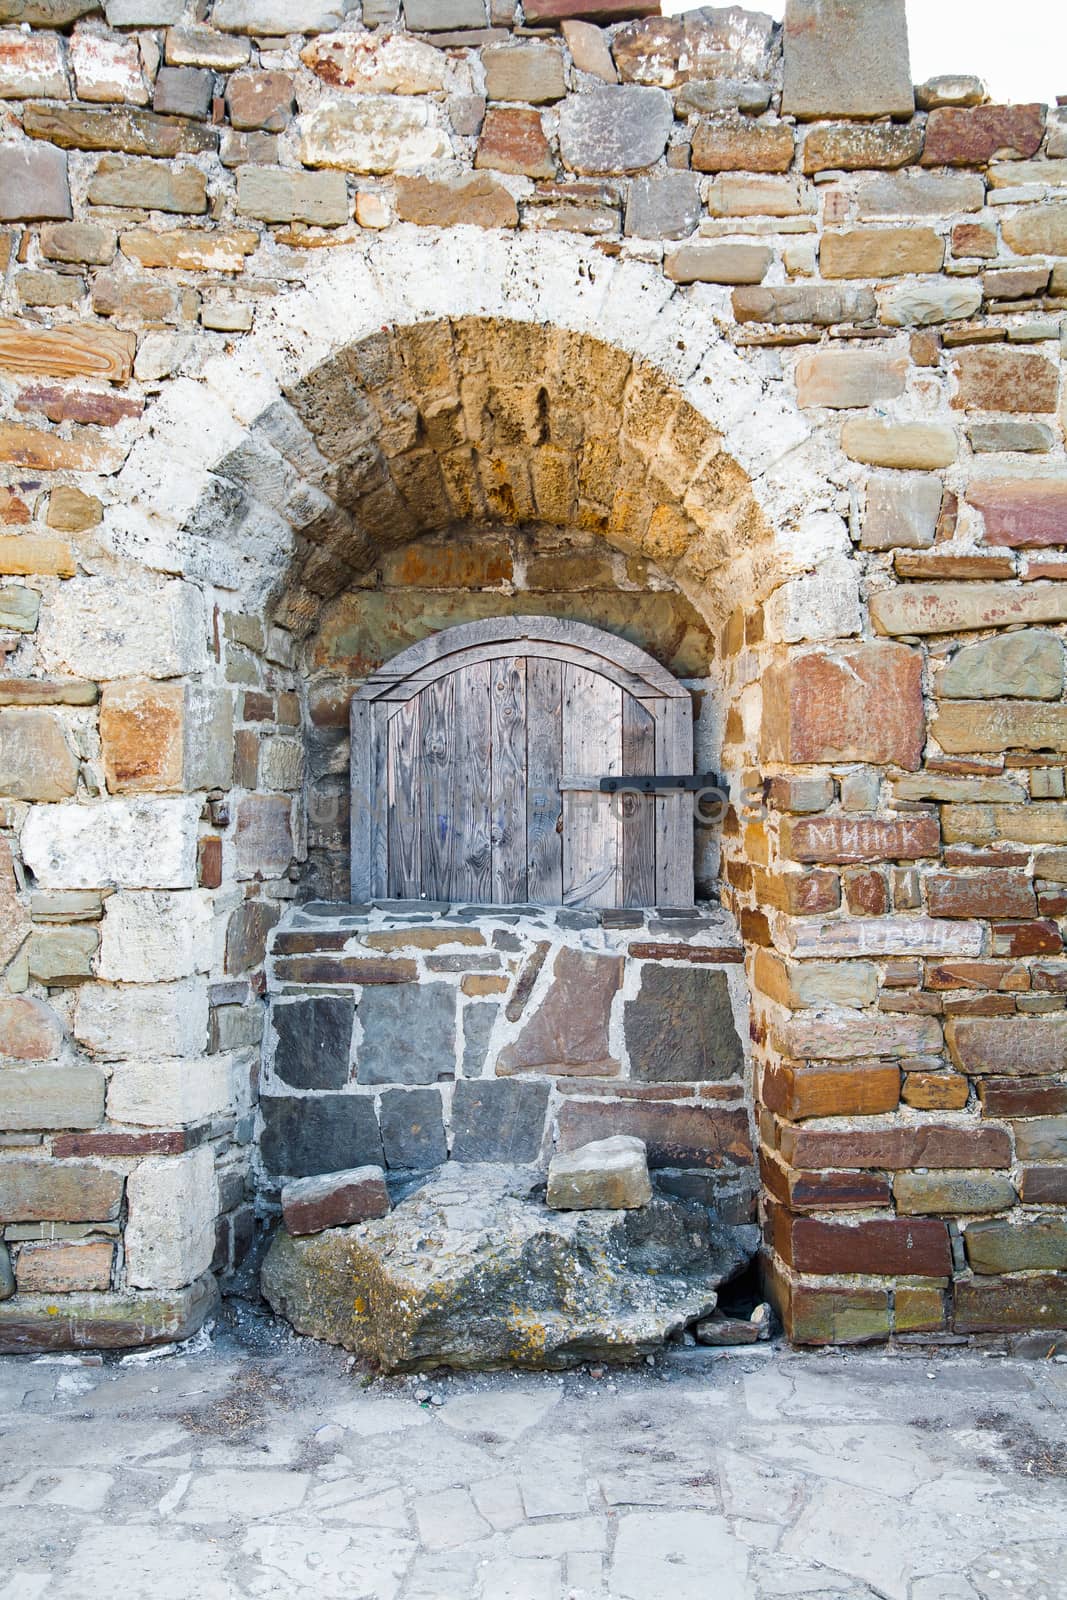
(816, 303)
(413, 1128)
(409, 1034)
(123, 1321)
(314, 1041)
(488, 1294)
(680, 1029)
(437, 16)
(143, 13)
(988, 437)
(1032, 1243)
(183, 92)
(494, 1120)
(478, 1022)
(1027, 665)
(274, 18)
(33, 183)
(61, 956)
(273, 194)
(309, 1134)
(918, 194)
(606, 1175)
(846, 58)
(19, 608)
(902, 511)
(334, 1200)
(720, 1330)
(620, 128)
(950, 89)
(723, 94)
(664, 207)
(7, 1276)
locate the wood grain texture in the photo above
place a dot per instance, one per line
(544, 757)
(637, 823)
(436, 782)
(592, 742)
(472, 871)
(405, 816)
(508, 696)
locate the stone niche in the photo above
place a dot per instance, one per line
(410, 1034)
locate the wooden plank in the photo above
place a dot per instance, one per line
(637, 836)
(405, 688)
(544, 757)
(436, 780)
(508, 692)
(472, 866)
(405, 815)
(363, 797)
(674, 812)
(592, 742)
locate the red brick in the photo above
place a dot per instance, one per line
(336, 1200)
(974, 136)
(938, 1145)
(858, 1090)
(1043, 1186)
(935, 1091)
(1027, 939)
(1005, 1097)
(823, 1191)
(913, 1247)
(105, 1143)
(677, 1135)
(989, 894)
(849, 838)
(349, 969)
(866, 894)
(1001, 1305)
(1025, 513)
(856, 703)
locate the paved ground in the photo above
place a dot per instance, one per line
(261, 1465)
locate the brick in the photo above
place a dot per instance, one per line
(974, 136)
(880, 252)
(53, 1191)
(1020, 514)
(843, 378)
(148, 185)
(859, 1090)
(855, 703)
(733, 143)
(846, 58)
(274, 194)
(1012, 1304)
(919, 608)
(513, 140)
(881, 1246)
(935, 1091)
(916, 446)
(336, 1200)
(717, 263)
(950, 1145)
(65, 1268)
(844, 147)
(847, 838)
(1008, 1046)
(952, 1194)
(987, 894)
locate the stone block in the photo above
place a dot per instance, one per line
(513, 140)
(58, 1191)
(844, 147)
(921, 305)
(607, 1175)
(132, 844)
(106, 1321)
(717, 263)
(441, 15)
(50, 1097)
(735, 143)
(86, 242)
(614, 129)
(850, 1035)
(202, 47)
(880, 252)
(476, 200)
(160, 737)
(737, 195)
(36, 763)
(819, 304)
(919, 608)
(843, 378)
(916, 194)
(107, 70)
(413, 1129)
(19, 608)
(275, 195)
(260, 100)
(72, 351)
(276, 18)
(61, 956)
(974, 136)
(407, 1034)
(51, 289)
(1043, 1186)
(143, 13)
(857, 703)
(170, 1231)
(914, 446)
(373, 134)
(314, 1041)
(33, 183)
(996, 379)
(666, 206)
(65, 1268)
(167, 1019)
(902, 511)
(681, 1027)
(569, 1034)
(1011, 1304)
(974, 726)
(1037, 230)
(1027, 665)
(170, 1094)
(846, 58)
(304, 1136)
(1041, 1139)
(985, 894)
(29, 1029)
(391, 63)
(676, 1133)
(187, 250)
(14, 920)
(154, 937)
(896, 1149)
(815, 983)
(1026, 437)
(860, 1089)
(138, 133)
(1020, 514)
(125, 181)
(834, 1315)
(590, 50)
(246, 935)
(1032, 1244)
(335, 1200)
(1008, 1046)
(881, 1245)
(952, 1193)
(846, 839)
(263, 835)
(498, 1121)
(99, 629)
(531, 72)
(32, 66)
(26, 554)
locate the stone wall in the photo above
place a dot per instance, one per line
(288, 288)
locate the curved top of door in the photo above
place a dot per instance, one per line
(624, 663)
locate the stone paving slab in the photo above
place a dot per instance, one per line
(255, 1464)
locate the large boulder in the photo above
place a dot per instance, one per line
(474, 1271)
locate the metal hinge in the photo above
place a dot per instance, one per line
(646, 783)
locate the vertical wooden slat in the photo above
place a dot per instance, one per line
(592, 743)
(379, 835)
(544, 753)
(674, 812)
(363, 797)
(472, 868)
(637, 828)
(405, 819)
(437, 747)
(508, 693)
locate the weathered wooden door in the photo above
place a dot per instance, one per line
(476, 762)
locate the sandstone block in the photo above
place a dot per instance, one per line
(1027, 665)
(1043, 1186)
(222, 251)
(142, 13)
(476, 200)
(32, 66)
(734, 195)
(849, 1035)
(14, 920)
(600, 10)
(963, 607)
(857, 703)
(155, 1020)
(275, 18)
(935, 1091)
(246, 935)
(513, 140)
(152, 936)
(846, 58)
(170, 1234)
(58, 1191)
(138, 133)
(915, 446)
(1035, 1243)
(98, 629)
(974, 726)
(1037, 230)
(106, 1321)
(858, 1089)
(50, 289)
(952, 1194)
(1017, 514)
(50, 1097)
(169, 1094)
(130, 843)
(530, 72)
(1006, 380)
(1027, 437)
(161, 737)
(78, 241)
(843, 378)
(590, 50)
(390, 63)
(203, 47)
(607, 1175)
(614, 130)
(950, 89)
(984, 894)
(1032, 824)
(916, 194)
(263, 835)
(29, 1029)
(373, 134)
(845, 147)
(36, 763)
(882, 1245)
(276, 195)
(148, 185)
(1008, 1046)
(886, 936)
(336, 1200)
(19, 608)
(61, 956)
(33, 183)
(440, 15)
(880, 252)
(23, 555)
(680, 1027)
(666, 206)
(816, 983)
(260, 100)
(71, 351)
(902, 511)
(734, 143)
(920, 305)
(65, 1268)
(896, 1148)
(107, 70)
(718, 263)
(972, 137)
(815, 303)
